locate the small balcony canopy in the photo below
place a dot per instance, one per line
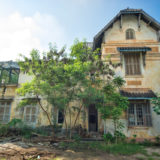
(137, 93)
(133, 49)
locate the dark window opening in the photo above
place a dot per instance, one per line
(60, 117)
(139, 114)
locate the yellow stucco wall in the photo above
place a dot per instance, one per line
(146, 36)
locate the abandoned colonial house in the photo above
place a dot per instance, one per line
(131, 38)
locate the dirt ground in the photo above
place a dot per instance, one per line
(29, 151)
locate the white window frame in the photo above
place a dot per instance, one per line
(30, 115)
(4, 114)
(144, 115)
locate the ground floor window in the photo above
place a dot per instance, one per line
(139, 113)
(30, 114)
(5, 107)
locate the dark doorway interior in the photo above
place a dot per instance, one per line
(60, 117)
(92, 118)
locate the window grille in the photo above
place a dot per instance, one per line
(5, 108)
(139, 114)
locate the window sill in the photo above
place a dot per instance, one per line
(10, 85)
(139, 127)
(134, 76)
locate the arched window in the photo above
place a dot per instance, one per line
(130, 34)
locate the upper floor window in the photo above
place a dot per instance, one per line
(139, 114)
(130, 34)
(5, 107)
(9, 72)
(132, 63)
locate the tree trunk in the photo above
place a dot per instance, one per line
(65, 122)
(39, 102)
(70, 135)
(77, 116)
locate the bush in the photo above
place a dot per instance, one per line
(157, 140)
(16, 127)
(108, 138)
(133, 140)
(119, 136)
(147, 143)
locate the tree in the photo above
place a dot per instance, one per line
(103, 85)
(81, 76)
(47, 72)
(57, 79)
(114, 104)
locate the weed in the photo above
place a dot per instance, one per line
(108, 138)
(150, 158)
(140, 158)
(147, 143)
(125, 149)
(155, 154)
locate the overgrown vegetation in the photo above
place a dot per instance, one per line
(121, 148)
(81, 77)
(16, 127)
(156, 103)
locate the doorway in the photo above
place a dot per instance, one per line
(92, 118)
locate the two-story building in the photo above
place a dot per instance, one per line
(131, 38)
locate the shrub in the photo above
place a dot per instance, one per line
(119, 136)
(157, 140)
(108, 138)
(147, 142)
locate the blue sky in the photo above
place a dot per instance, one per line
(27, 24)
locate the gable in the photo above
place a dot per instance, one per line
(117, 34)
(140, 15)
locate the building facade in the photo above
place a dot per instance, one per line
(131, 38)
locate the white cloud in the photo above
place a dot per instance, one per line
(20, 34)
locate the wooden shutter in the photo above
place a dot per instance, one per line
(132, 64)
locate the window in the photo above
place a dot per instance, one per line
(30, 115)
(5, 108)
(60, 117)
(139, 114)
(132, 63)
(9, 72)
(130, 34)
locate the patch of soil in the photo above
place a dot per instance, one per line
(45, 151)
(10, 151)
